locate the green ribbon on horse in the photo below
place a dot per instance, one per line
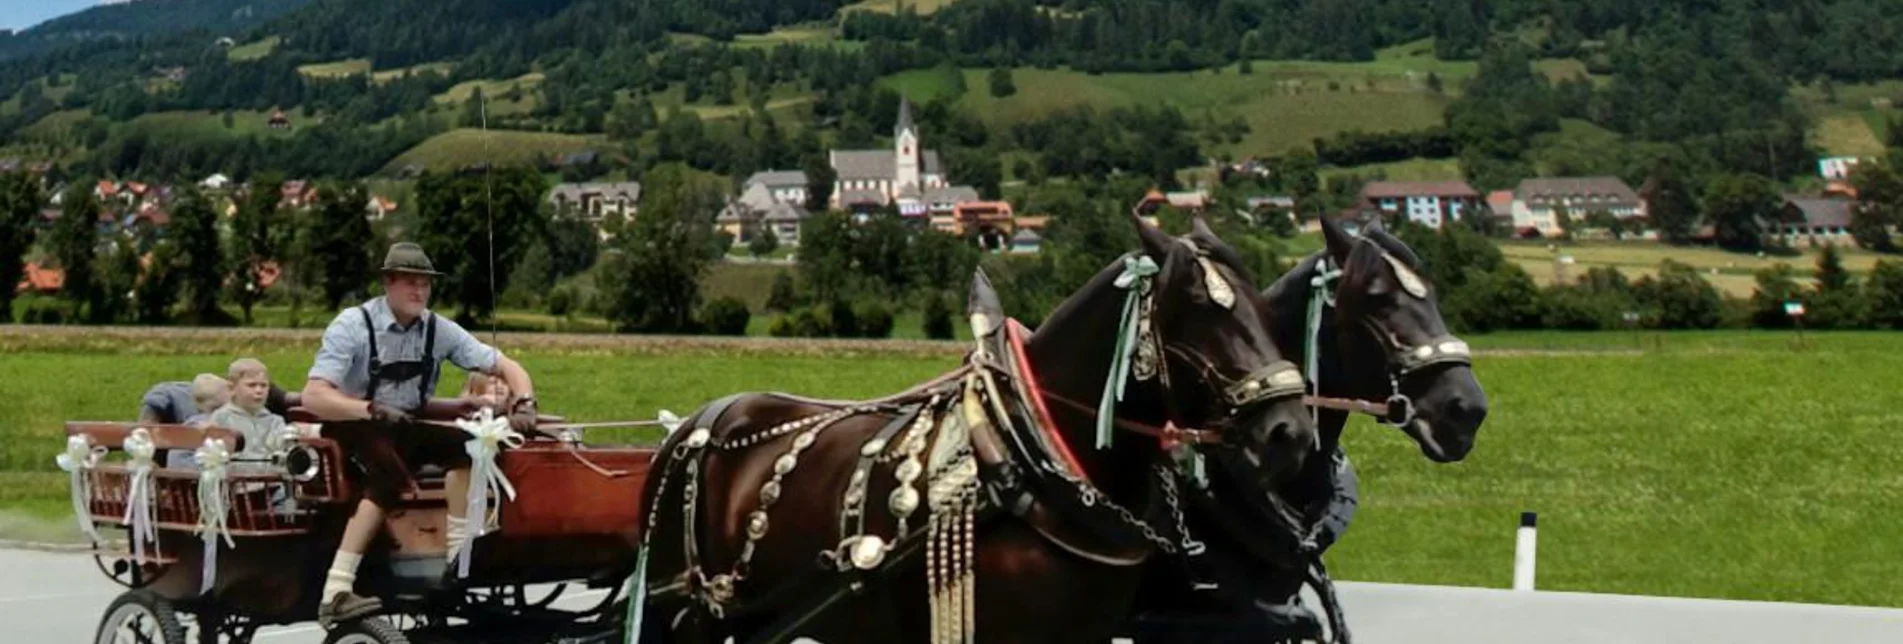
(1137, 270)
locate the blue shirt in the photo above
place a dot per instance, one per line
(344, 358)
(169, 402)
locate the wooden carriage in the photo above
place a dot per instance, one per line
(574, 519)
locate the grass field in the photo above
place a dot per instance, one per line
(464, 146)
(1690, 468)
(1729, 272)
(254, 50)
(336, 68)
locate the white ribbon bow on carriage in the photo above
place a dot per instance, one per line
(80, 457)
(140, 502)
(214, 461)
(488, 434)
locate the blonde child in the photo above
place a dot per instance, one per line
(245, 414)
(487, 390)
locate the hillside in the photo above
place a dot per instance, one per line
(145, 18)
(1579, 86)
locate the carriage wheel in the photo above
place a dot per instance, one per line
(140, 617)
(374, 630)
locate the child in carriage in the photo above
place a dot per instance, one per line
(246, 414)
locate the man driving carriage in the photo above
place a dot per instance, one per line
(375, 371)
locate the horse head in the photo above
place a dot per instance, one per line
(1182, 322)
(1369, 327)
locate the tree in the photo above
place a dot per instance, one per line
(1001, 83)
(1671, 206)
(259, 234)
(1885, 293)
(763, 243)
(74, 240)
(782, 297)
(1839, 304)
(343, 246)
(652, 275)
(1776, 285)
(472, 221)
(20, 203)
(194, 228)
(1737, 205)
(820, 177)
(1679, 299)
(1879, 205)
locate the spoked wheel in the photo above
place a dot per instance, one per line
(128, 573)
(374, 630)
(140, 617)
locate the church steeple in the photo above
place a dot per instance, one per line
(906, 155)
(905, 119)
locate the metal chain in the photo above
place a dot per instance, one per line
(1190, 546)
(1092, 497)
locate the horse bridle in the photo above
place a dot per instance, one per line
(1264, 385)
(1403, 360)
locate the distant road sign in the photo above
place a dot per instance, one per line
(1794, 309)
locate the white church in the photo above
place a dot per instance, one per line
(905, 174)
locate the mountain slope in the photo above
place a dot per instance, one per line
(146, 18)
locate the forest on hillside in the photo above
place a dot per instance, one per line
(1695, 90)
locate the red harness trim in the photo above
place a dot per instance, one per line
(1015, 333)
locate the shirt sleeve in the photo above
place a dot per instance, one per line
(333, 357)
(463, 349)
(220, 417)
(156, 404)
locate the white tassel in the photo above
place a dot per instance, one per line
(214, 508)
(81, 456)
(140, 502)
(488, 435)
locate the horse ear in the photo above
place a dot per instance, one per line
(1200, 228)
(1156, 243)
(1340, 243)
(982, 305)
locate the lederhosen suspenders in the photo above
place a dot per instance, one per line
(422, 369)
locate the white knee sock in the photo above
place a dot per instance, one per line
(456, 536)
(343, 574)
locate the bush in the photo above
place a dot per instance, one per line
(808, 322)
(841, 321)
(725, 316)
(783, 297)
(938, 322)
(875, 320)
(561, 301)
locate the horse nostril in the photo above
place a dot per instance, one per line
(1468, 411)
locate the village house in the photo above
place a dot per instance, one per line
(790, 186)
(297, 195)
(759, 209)
(1813, 221)
(594, 201)
(1194, 201)
(1429, 203)
(1536, 202)
(379, 207)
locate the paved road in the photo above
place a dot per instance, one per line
(55, 598)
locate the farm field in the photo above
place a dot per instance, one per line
(1689, 468)
(465, 146)
(1729, 272)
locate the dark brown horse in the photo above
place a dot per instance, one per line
(770, 516)
(1366, 326)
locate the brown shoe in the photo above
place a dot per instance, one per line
(344, 607)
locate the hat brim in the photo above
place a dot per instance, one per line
(413, 271)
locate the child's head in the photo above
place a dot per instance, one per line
(250, 383)
(209, 392)
(488, 388)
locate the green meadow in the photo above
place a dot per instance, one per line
(1717, 464)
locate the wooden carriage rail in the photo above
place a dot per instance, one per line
(175, 491)
(112, 435)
